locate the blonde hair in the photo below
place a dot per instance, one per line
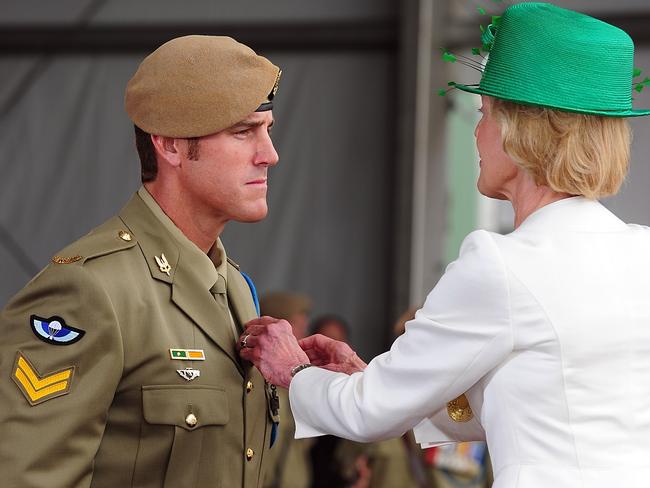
(571, 153)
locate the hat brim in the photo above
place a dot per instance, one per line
(608, 113)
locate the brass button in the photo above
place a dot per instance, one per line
(125, 236)
(249, 454)
(191, 420)
(249, 386)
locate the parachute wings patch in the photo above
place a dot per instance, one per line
(55, 331)
(36, 388)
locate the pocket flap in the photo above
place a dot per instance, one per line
(189, 407)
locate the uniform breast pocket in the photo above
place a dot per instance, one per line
(180, 422)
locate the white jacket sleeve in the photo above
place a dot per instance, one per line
(462, 332)
(440, 428)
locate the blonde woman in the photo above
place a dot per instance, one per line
(539, 340)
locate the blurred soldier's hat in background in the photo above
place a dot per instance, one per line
(283, 305)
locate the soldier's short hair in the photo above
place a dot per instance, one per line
(147, 153)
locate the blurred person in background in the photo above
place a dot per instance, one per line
(119, 362)
(289, 464)
(538, 340)
(332, 326)
(337, 462)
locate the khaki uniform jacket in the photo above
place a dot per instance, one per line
(109, 409)
(289, 462)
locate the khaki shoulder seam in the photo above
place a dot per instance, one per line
(94, 245)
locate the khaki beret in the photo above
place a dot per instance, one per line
(194, 86)
(283, 305)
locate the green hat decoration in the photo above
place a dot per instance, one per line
(544, 55)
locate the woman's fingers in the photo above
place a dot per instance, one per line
(247, 340)
(317, 342)
(316, 358)
(261, 322)
(254, 329)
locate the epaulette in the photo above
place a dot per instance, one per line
(234, 264)
(99, 242)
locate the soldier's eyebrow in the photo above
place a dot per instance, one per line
(250, 124)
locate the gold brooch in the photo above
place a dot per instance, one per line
(459, 410)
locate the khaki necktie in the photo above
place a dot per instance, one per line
(218, 290)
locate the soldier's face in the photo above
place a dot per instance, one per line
(229, 177)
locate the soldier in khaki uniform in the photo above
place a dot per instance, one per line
(118, 362)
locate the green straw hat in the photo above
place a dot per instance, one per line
(545, 55)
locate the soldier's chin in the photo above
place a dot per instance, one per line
(254, 215)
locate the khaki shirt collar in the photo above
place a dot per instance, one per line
(207, 267)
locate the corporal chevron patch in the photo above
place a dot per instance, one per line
(36, 388)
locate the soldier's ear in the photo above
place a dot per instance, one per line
(168, 149)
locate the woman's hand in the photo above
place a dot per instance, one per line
(270, 345)
(330, 354)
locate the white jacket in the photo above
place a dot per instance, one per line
(547, 329)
